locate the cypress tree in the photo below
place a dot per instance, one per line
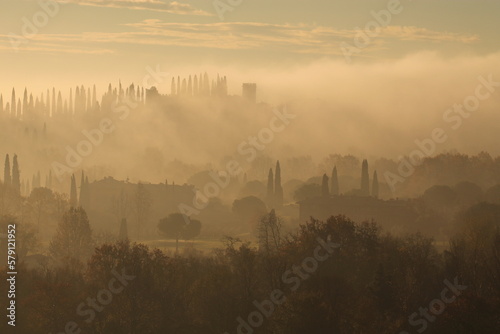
(19, 111)
(94, 97)
(72, 195)
(6, 172)
(13, 103)
(82, 191)
(365, 179)
(270, 187)
(375, 185)
(53, 110)
(335, 182)
(70, 104)
(16, 175)
(25, 101)
(278, 190)
(195, 85)
(173, 90)
(87, 193)
(190, 86)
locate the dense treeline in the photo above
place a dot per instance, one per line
(333, 276)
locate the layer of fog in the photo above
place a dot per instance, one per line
(368, 110)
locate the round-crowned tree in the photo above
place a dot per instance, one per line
(179, 226)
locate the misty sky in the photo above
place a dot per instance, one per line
(106, 40)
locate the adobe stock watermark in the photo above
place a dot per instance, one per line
(104, 297)
(291, 277)
(372, 29)
(222, 6)
(121, 109)
(436, 307)
(453, 116)
(248, 149)
(31, 26)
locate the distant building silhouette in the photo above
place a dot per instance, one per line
(392, 212)
(325, 191)
(165, 199)
(250, 92)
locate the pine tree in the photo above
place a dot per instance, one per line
(72, 195)
(325, 192)
(278, 190)
(365, 179)
(6, 172)
(16, 175)
(375, 185)
(335, 182)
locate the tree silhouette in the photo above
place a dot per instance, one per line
(270, 232)
(41, 202)
(375, 185)
(73, 237)
(325, 192)
(179, 226)
(73, 200)
(365, 179)
(249, 209)
(278, 190)
(142, 207)
(335, 182)
(270, 188)
(16, 175)
(7, 180)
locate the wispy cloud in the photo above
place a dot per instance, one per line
(172, 7)
(294, 38)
